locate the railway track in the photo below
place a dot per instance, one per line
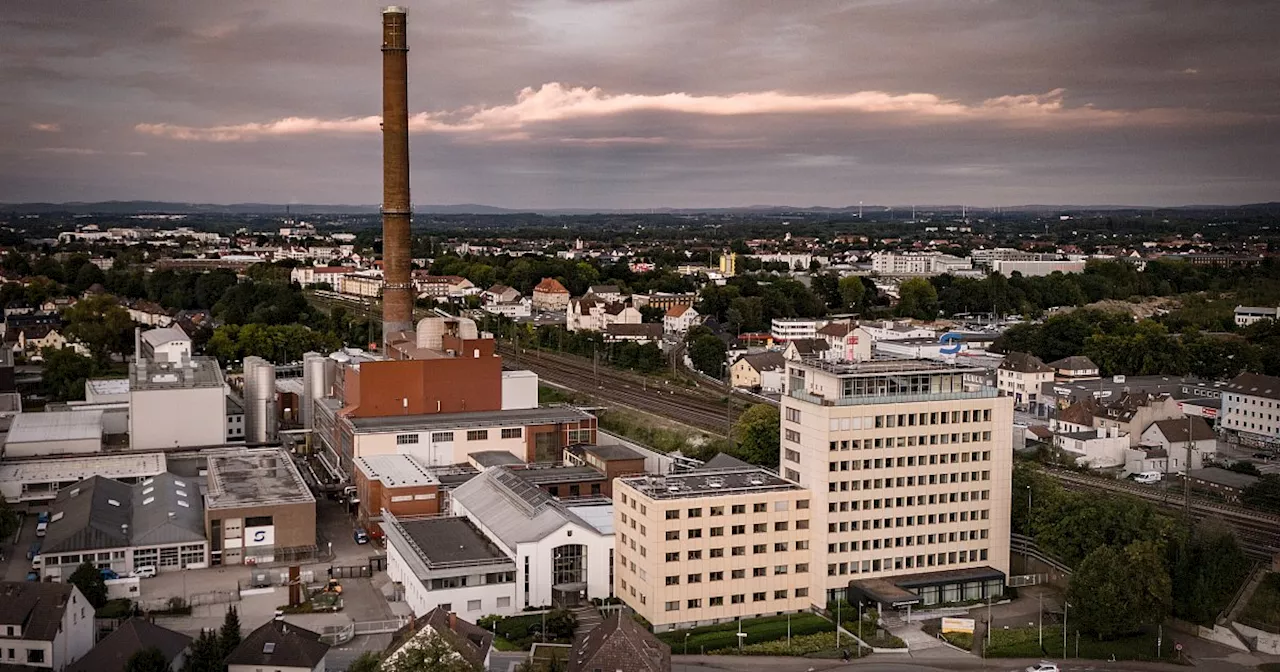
(1257, 532)
(613, 387)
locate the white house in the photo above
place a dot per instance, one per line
(1098, 449)
(1172, 437)
(790, 328)
(1247, 315)
(469, 641)
(1251, 410)
(589, 314)
(44, 626)
(678, 319)
(279, 646)
(847, 341)
(316, 275)
(1020, 376)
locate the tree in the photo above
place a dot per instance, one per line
(100, 323)
(851, 291)
(88, 579)
(149, 659)
(707, 352)
(1264, 494)
(229, 635)
(1115, 592)
(205, 655)
(8, 520)
(756, 435)
(429, 653)
(369, 661)
(64, 373)
(917, 298)
(1206, 567)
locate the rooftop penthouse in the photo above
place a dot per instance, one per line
(709, 482)
(840, 383)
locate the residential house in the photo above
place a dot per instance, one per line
(33, 340)
(279, 646)
(590, 314)
(44, 626)
(761, 371)
(805, 348)
(521, 307)
(678, 319)
(1134, 412)
(550, 295)
(149, 313)
(606, 293)
(500, 294)
(308, 276)
(113, 652)
(1177, 435)
(634, 333)
(1074, 368)
(1020, 376)
(442, 286)
(846, 340)
(1097, 449)
(469, 641)
(620, 644)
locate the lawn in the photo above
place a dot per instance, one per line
(868, 631)
(1024, 643)
(519, 633)
(759, 630)
(817, 645)
(961, 640)
(1263, 610)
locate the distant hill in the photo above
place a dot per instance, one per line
(275, 209)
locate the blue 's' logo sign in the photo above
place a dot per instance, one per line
(952, 341)
(260, 535)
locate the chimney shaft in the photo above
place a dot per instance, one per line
(397, 294)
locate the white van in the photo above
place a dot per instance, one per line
(145, 572)
(41, 529)
(1148, 477)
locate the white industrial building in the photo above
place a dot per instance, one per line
(1036, 268)
(1247, 315)
(106, 390)
(158, 522)
(510, 546)
(177, 404)
(54, 433)
(41, 480)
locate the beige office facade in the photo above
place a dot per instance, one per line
(909, 476)
(711, 546)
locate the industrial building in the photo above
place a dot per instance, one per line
(41, 480)
(712, 545)
(909, 472)
(158, 522)
(54, 433)
(257, 508)
(510, 545)
(175, 400)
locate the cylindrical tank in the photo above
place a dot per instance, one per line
(315, 385)
(431, 333)
(260, 420)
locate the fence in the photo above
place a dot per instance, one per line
(335, 635)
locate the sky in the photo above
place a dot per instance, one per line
(647, 103)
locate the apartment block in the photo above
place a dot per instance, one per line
(909, 475)
(712, 545)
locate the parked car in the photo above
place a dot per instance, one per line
(32, 576)
(1148, 477)
(1043, 666)
(361, 536)
(33, 550)
(1263, 456)
(42, 529)
(145, 572)
(42, 517)
(109, 574)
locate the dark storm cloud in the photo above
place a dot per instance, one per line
(638, 103)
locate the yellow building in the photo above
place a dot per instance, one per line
(728, 264)
(710, 546)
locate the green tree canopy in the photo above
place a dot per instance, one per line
(852, 291)
(101, 324)
(917, 298)
(88, 579)
(64, 373)
(1263, 495)
(756, 435)
(1114, 592)
(229, 635)
(707, 352)
(149, 659)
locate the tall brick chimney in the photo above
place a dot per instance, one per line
(397, 292)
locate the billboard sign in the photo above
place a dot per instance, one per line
(260, 536)
(958, 625)
(950, 343)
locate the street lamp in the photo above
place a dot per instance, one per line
(1028, 510)
(686, 643)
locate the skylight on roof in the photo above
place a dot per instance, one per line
(147, 491)
(183, 503)
(74, 492)
(269, 647)
(113, 502)
(180, 484)
(56, 517)
(148, 500)
(181, 493)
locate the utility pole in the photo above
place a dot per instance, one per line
(1186, 474)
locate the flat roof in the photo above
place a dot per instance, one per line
(558, 474)
(444, 421)
(131, 465)
(396, 471)
(598, 516)
(195, 372)
(109, 385)
(256, 477)
(880, 366)
(1225, 477)
(55, 426)
(613, 452)
(449, 540)
(706, 482)
(495, 458)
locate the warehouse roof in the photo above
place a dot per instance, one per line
(70, 470)
(396, 471)
(443, 421)
(109, 386)
(254, 477)
(514, 510)
(101, 512)
(55, 426)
